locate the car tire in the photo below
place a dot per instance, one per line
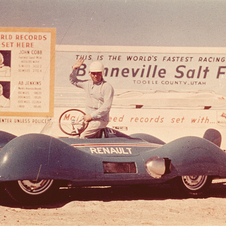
(192, 186)
(31, 191)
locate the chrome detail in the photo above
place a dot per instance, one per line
(157, 167)
(33, 187)
(194, 182)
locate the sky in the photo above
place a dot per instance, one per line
(170, 23)
(196, 23)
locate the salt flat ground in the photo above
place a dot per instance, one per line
(153, 205)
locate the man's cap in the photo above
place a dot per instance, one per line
(96, 66)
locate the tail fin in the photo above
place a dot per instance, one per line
(214, 136)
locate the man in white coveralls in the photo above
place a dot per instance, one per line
(99, 97)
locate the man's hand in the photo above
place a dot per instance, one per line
(87, 118)
(78, 63)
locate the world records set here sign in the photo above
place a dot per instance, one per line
(27, 57)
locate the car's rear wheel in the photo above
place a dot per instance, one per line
(192, 185)
(31, 191)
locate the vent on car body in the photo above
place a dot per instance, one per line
(119, 167)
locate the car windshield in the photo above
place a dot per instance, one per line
(55, 129)
(50, 127)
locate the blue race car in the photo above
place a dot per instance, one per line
(34, 166)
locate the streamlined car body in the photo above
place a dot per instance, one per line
(33, 166)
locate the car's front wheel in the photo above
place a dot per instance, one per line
(192, 185)
(31, 191)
